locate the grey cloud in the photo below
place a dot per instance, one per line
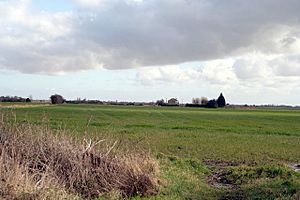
(248, 68)
(264, 67)
(287, 66)
(171, 32)
(123, 34)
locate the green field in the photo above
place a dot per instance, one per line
(255, 145)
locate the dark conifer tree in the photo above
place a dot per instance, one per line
(221, 101)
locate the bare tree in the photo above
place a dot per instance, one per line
(196, 101)
(204, 100)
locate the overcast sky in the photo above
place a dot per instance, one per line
(143, 50)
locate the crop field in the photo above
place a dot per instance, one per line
(202, 153)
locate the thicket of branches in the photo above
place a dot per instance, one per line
(39, 163)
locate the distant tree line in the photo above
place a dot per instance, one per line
(84, 101)
(59, 99)
(196, 102)
(204, 102)
(14, 99)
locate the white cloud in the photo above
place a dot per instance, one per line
(166, 74)
(219, 72)
(249, 72)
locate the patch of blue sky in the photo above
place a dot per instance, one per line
(192, 65)
(89, 84)
(52, 5)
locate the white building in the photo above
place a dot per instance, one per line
(173, 101)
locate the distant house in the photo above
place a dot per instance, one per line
(173, 101)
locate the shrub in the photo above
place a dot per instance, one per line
(212, 104)
(160, 102)
(57, 99)
(35, 160)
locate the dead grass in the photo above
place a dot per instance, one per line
(23, 105)
(37, 163)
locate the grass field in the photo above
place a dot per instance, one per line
(203, 153)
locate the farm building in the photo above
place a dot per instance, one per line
(173, 101)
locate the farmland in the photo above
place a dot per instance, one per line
(193, 145)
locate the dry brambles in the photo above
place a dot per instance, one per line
(39, 163)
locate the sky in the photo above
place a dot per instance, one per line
(145, 50)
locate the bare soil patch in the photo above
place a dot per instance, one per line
(219, 180)
(294, 166)
(224, 164)
(232, 176)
